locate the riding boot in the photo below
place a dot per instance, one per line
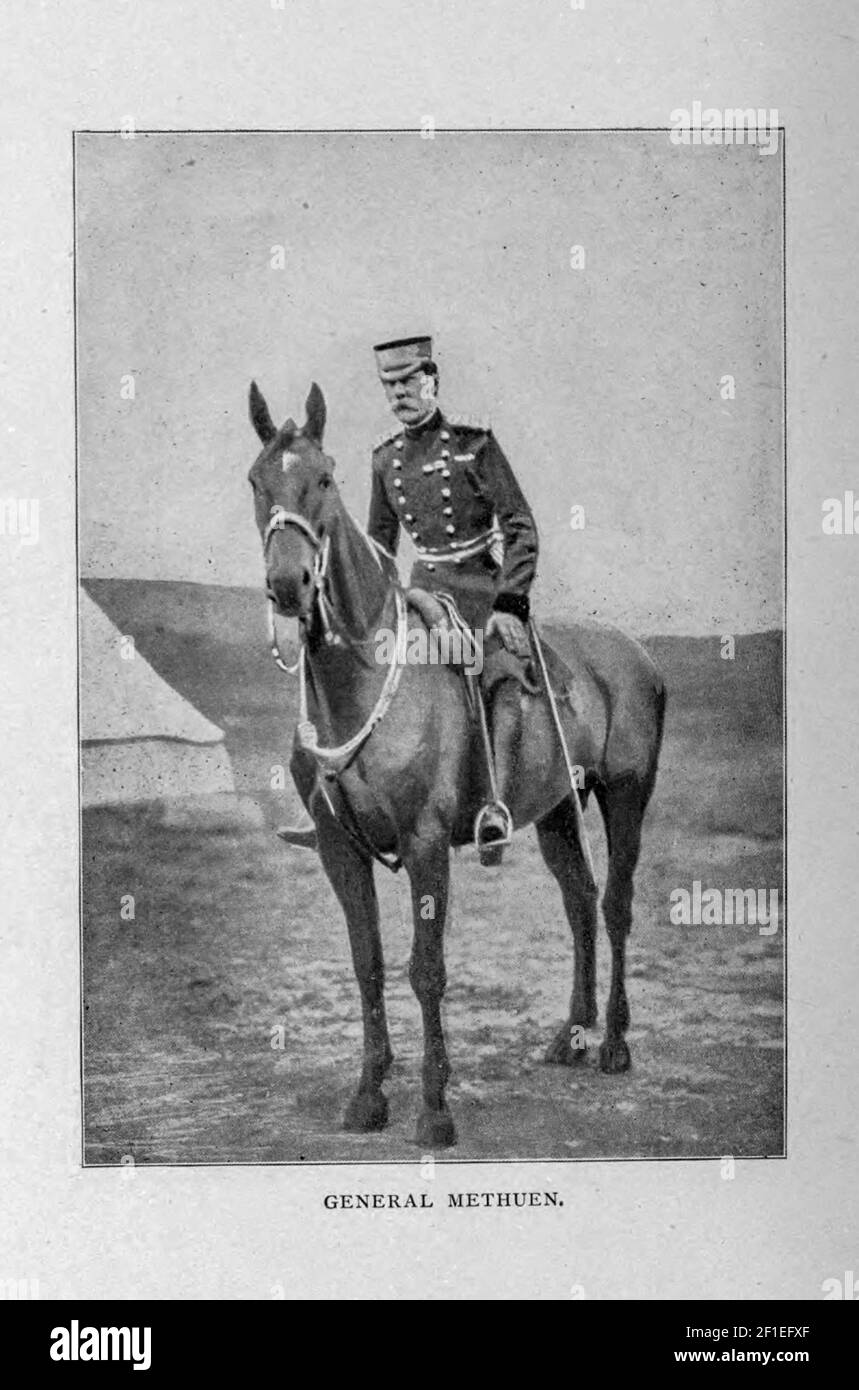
(494, 826)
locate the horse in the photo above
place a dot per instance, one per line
(407, 771)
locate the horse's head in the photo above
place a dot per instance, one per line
(294, 499)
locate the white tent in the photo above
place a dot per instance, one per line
(140, 740)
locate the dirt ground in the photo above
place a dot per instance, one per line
(237, 944)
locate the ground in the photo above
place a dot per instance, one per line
(222, 1023)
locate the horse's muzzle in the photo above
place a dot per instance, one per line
(292, 592)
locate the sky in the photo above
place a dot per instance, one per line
(602, 380)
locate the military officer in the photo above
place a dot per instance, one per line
(448, 484)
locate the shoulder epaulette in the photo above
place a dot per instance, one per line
(384, 439)
(469, 422)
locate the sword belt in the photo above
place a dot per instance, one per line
(464, 550)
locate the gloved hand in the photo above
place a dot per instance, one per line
(512, 632)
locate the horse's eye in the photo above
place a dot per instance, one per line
(326, 480)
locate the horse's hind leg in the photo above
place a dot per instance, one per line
(351, 875)
(561, 848)
(623, 805)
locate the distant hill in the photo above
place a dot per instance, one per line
(744, 695)
(211, 644)
(226, 614)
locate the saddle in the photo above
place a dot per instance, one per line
(438, 609)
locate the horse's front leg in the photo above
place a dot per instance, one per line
(351, 875)
(428, 864)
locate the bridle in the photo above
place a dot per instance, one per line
(279, 519)
(330, 760)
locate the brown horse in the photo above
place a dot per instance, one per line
(414, 785)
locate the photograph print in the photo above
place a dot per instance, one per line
(431, 609)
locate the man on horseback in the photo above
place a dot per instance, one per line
(389, 777)
(448, 484)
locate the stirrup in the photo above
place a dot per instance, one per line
(303, 836)
(490, 849)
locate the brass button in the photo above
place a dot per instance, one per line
(448, 511)
(451, 530)
(401, 501)
(398, 482)
(398, 444)
(430, 566)
(409, 516)
(445, 492)
(445, 472)
(398, 463)
(445, 434)
(428, 467)
(415, 536)
(445, 453)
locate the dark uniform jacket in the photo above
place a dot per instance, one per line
(449, 485)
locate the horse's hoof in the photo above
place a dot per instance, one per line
(436, 1129)
(614, 1056)
(366, 1112)
(567, 1047)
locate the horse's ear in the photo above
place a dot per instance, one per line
(260, 418)
(315, 411)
